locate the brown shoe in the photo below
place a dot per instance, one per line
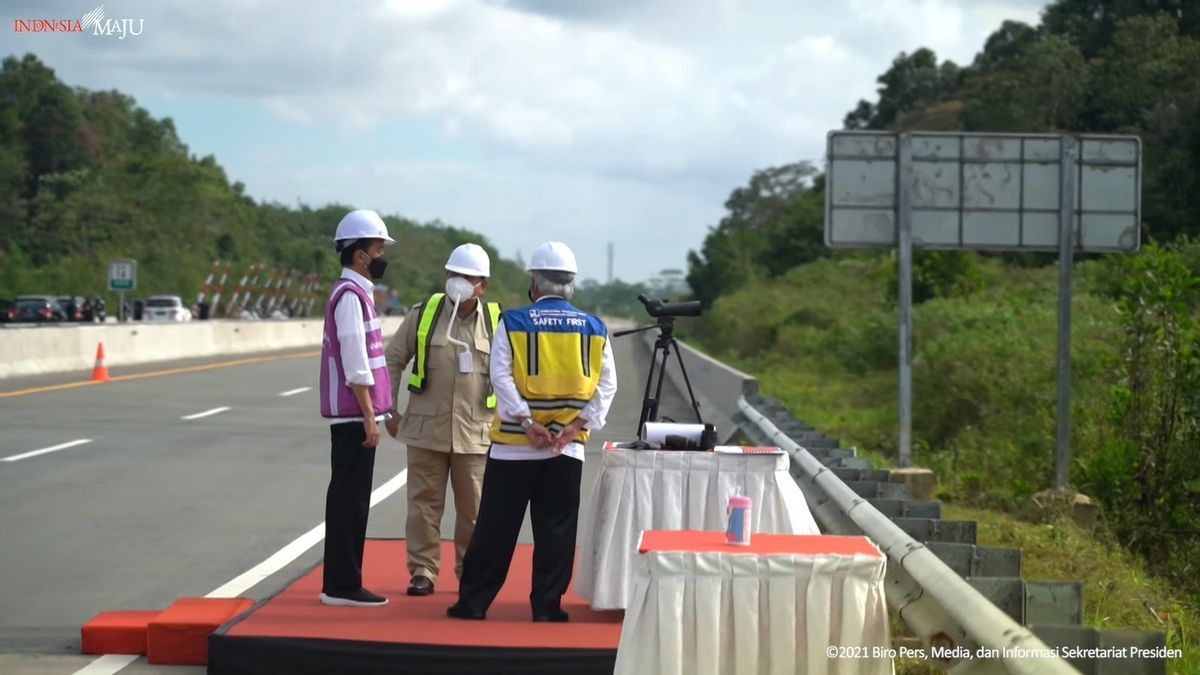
(420, 585)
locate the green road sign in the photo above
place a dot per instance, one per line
(122, 275)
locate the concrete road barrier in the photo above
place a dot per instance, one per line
(42, 350)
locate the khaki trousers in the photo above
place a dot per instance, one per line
(428, 471)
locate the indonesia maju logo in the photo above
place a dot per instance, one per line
(95, 22)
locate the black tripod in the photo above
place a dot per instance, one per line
(666, 339)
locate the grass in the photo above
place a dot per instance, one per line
(841, 407)
(1117, 591)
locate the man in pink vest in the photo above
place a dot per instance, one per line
(355, 396)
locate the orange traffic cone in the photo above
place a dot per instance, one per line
(100, 371)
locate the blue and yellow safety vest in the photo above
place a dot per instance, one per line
(557, 353)
(430, 312)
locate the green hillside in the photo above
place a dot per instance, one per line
(87, 177)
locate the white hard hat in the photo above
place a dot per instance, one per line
(553, 255)
(471, 260)
(362, 224)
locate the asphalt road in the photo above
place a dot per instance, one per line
(155, 507)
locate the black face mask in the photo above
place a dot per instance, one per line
(377, 267)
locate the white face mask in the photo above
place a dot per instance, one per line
(459, 289)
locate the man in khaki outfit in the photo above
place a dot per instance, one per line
(450, 404)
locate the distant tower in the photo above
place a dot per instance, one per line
(610, 262)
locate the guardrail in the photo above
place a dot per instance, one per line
(936, 604)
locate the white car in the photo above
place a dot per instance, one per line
(166, 308)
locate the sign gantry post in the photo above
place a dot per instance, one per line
(990, 192)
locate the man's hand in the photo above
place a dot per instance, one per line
(362, 394)
(539, 436)
(393, 423)
(568, 434)
(371, 427)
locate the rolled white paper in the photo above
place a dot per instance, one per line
(672, 435)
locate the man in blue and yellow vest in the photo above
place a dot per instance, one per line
(554, 377)
(449, 412)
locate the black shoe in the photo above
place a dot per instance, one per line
(551, 615)
(461, 611)
(420, 585)
(360, 597)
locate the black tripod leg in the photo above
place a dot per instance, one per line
(649, 405)
(662, 375)
(688, 382)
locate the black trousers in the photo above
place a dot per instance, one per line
(347, 504)
(550, 487)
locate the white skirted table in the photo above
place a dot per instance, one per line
(785, 604)
(638, 490)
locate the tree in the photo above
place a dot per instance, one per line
(1146, 82)
(862, 117)
(1057, 80)
(14, 177)
(1147, 475)
(773, 224)
(1147, 61)
(48, 115)
(1005, 48)
(1026, 83)
(914, 81)
(1091, 24)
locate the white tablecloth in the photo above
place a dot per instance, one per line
(640, 490)
(736, 613)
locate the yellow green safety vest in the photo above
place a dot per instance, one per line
(430, 312)
(557, 358)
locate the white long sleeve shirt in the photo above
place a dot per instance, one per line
(511, 406)
(352, 334)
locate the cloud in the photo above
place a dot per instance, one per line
(667, 100)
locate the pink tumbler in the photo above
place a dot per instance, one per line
(737, 529)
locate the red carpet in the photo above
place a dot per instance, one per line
(293, 629)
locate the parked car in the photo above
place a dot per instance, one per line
(6, 311)
(37, 308)
(166, 308)
(72, 306)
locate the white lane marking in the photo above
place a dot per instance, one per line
(293, 392)
(55, 448)
(389, 488)
(207, 413)
(109, 664)
(271, 565)
(246, 580)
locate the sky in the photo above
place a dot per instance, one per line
(584, 121)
